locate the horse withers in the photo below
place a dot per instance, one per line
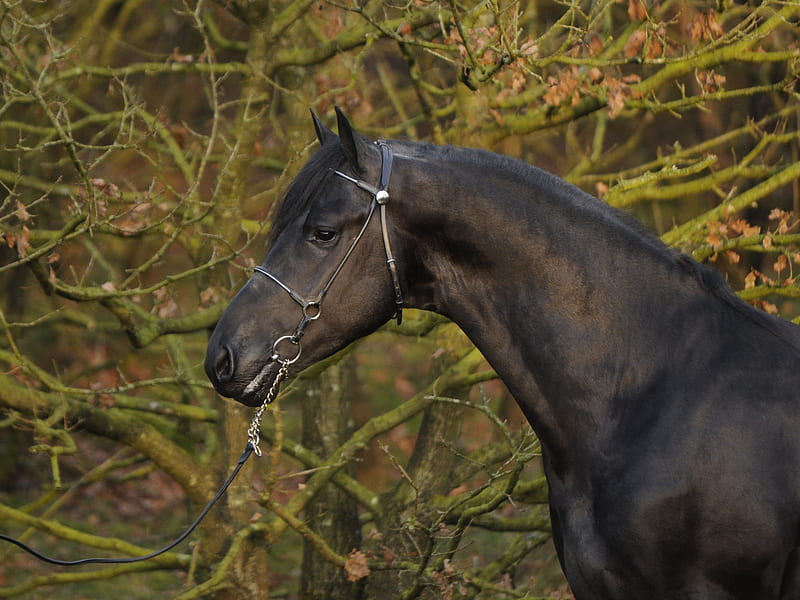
(668, 410)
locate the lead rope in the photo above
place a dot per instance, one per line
(253, 439)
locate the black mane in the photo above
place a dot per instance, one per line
(318, 171)
(478, 160)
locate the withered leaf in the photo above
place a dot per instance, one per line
(356, 565)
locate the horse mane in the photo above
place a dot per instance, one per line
(709, 279)
(318, 170)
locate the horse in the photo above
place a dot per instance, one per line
(668, 410)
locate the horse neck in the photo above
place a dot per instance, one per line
(558, 291)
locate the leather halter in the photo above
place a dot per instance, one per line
(312, 306)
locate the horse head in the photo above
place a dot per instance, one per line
(324, 282)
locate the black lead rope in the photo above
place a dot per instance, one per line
(252, 446)
(249, 449)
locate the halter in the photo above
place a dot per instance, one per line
(312, 306)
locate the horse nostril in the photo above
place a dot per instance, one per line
(224, 366)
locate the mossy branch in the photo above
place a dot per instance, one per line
(55, 579)
(117, 425)
(687, 232)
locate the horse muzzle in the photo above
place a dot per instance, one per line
(233, 378)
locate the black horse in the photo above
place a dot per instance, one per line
(667, 409)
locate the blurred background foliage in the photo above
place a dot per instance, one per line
(144, 145)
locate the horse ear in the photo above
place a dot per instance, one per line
(349, 139)
(324, 135)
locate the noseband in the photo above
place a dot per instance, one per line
(312, 306)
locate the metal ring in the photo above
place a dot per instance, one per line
(276, 355)
(312, 310)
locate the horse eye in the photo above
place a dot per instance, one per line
(324, 235)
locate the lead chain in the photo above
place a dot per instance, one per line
(253, 437)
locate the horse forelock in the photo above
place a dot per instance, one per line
(306, 186)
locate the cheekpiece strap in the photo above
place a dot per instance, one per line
(382, 198)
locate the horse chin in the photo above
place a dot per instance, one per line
(256, 391)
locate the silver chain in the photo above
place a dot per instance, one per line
(253, 436)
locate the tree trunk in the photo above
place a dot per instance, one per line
(247, 577)
(327, 423)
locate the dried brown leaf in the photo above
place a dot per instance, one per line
(356, 565)
(769, 307)
(22, 241)
(705, 27)
(22, 212)
(781, 264)
(710, 80)
(637, 11)
(635, 43)
(655, 49)
(594, 45)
